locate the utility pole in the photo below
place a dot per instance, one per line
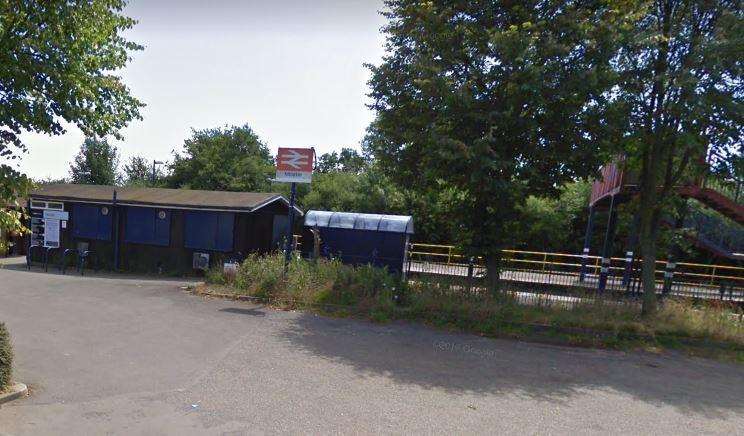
(155, 162)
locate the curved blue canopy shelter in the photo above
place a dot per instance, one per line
(360, 238)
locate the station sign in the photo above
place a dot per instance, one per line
(56, 215)
(294, 165)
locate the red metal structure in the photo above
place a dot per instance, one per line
(725, 196)
(610, 182)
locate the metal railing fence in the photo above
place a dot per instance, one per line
(549, 272)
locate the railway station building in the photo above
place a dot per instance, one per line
(172, 231)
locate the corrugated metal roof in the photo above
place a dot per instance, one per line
(161, 197)
(360, 221)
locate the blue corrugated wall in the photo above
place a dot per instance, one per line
(381, 249)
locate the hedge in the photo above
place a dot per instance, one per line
(6, 357)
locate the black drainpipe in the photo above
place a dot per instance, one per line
(115, 213)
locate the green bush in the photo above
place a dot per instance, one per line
(215, 276)
(326, 282)
(260, 276)
(6, 357)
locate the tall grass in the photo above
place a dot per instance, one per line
(450, 302)
(325, 282)
(457, 303)
(445, 302)
(716, 320)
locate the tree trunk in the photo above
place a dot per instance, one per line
(648, 231)
(647, 244)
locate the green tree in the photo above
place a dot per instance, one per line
(348, 182)
(347, 160)
(13, 189)
(229, 159)
(138, 171)
(436, 212)
(336, 191)
(49, 181)
(58, 61)
(492, 101)
(378, 193)
(96, 163)
(678, 98)
(554, 224)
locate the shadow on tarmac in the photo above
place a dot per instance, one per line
(461, 363)
(243, 311)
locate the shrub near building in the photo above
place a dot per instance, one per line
(325, 282)
(6, 357)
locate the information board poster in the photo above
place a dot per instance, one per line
(51, 233)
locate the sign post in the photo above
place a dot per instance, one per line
(293, 165)
(290, 226)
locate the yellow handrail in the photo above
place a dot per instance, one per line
(540, 253)
(417, 244)
(711, 272)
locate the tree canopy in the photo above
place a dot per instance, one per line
(58, 59)
(58, 63)
(347, 160)
(490, 101)
(223, 159)
(138, 171)
(554, 224)
(97, 163)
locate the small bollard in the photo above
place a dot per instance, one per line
(668, 276)
(604, 273)
(470, 273)
(628, 269)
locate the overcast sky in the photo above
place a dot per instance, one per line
(291, 69)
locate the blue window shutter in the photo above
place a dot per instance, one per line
(144, 226)
(224, 238)
(104, 225)
(162, 228)
(89, 222)
(139, 227)
(209, 230)
(84, 221)
(199, 230)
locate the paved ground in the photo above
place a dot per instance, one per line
(131, 356)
